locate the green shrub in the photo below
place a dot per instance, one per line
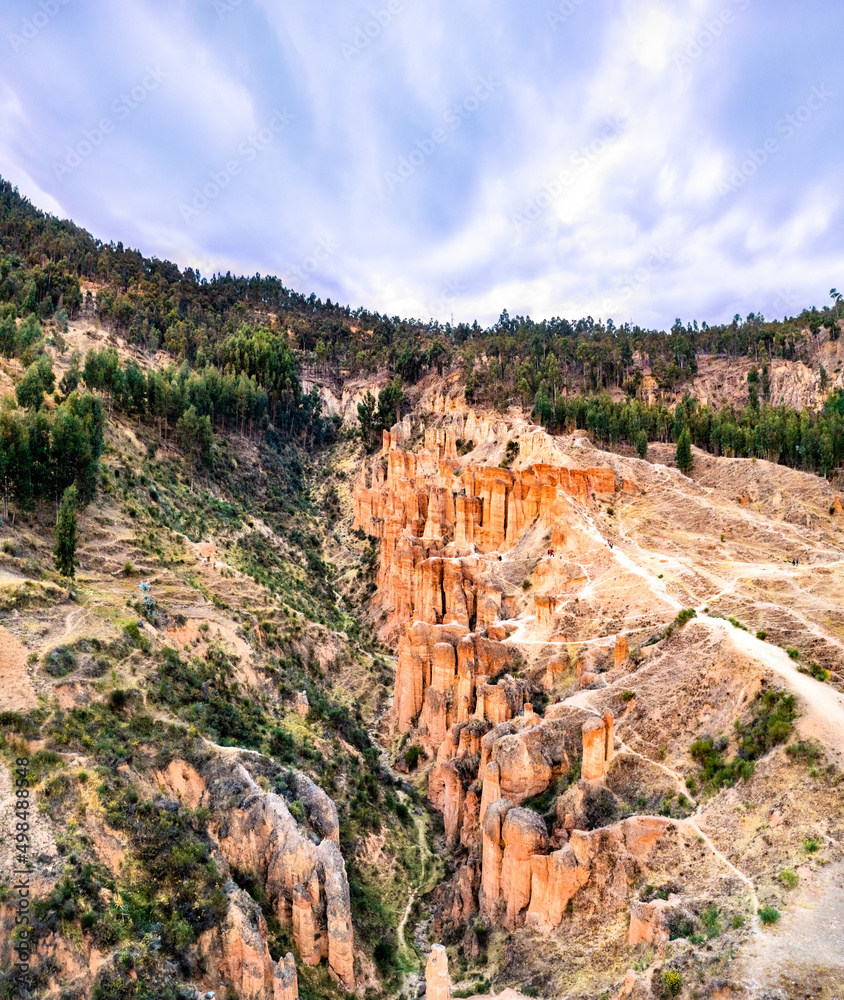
(774, 713)
(480, 987)
(59, 662)
(762, 634)
(413, 755)
(672, 982)
(711, 920)
(789, 878)
(627, 696)
(385, 957)
(118, 699)
(811, 845)
(804, 750)
(686, 615)
(817, 671)
(794, 653)
(769, 914)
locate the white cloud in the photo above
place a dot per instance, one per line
(446, 239)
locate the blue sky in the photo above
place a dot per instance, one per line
(633, 159)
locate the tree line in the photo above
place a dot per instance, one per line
(44, 451)
(812, 442)
(44, 262)
(243, 339)
(54, 437)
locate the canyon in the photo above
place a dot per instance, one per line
(520, 613)
(510, 789)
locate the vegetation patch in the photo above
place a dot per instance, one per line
(774, 713)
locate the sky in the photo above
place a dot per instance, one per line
(638, 160)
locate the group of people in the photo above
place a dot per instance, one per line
(795, 562)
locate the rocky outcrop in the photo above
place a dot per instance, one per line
(648, 924)
(522, 882)
(523, 834)
(621, 650)
(437, 982)
(555, 879)
(304, 881)
(531, 752)
(286, 981)
(320, 810)
(236, 952)
(492, 857)
(435, 520)
(443, 676)
(598, 748)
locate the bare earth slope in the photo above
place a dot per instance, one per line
(524, 606)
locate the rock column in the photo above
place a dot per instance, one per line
(438, 985)
(285, 981)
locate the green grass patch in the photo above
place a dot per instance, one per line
(774, 713)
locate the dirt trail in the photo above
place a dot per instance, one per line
(16, 691)
(403, 922)
(823, 706)
(691, 823)
(807, 948)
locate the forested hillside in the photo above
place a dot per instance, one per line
(237, 346)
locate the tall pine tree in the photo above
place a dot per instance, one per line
(685, 461)
(67, 536)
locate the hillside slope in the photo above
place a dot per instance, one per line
(536, 589)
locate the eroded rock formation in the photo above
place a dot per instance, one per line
(286, 981)
(598, 750)
(437, 522)
(236, 953)
(522, 882)
(443, 677)
(444, 528)
(305, 882)
(437, 982)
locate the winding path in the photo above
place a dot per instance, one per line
(822, 705)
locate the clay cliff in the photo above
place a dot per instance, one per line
(304, 882)
(441, 522)
(447, 530)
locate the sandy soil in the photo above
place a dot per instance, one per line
(16, 691)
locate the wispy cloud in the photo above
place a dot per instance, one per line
(528, 202)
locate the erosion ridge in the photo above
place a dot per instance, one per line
(545, 705)
(508, 585)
